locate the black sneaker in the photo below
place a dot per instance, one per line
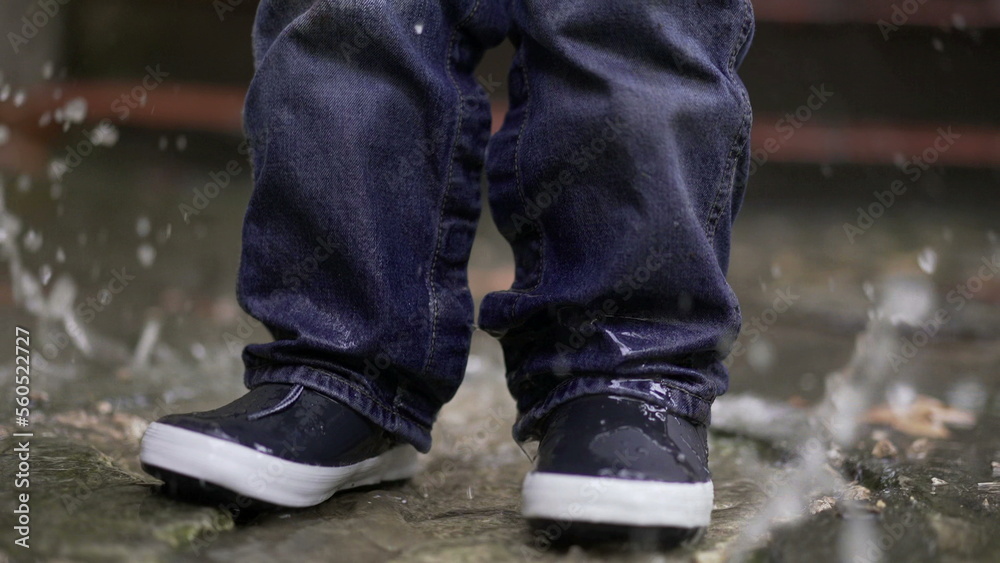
(281, 444)
(616, 469)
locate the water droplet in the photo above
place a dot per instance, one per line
(146, 254)
(928, 260)
(164, 235)
(60, 255)
(19, 98)
(48, 69)
(23, 183)
(760, 355)
(45, 119)
(775, 270)
(869, 290)
(143, 226)
(418, 28)
(5, 93)
(104, 134)
(4, 134)
(900, 396)
(56, 191)
(104, 297)
(75, 110)
(198, 351)
(182, 142)
(164, 143)
(938, 45)
(958, 20)
(45, 274)
(32, 241)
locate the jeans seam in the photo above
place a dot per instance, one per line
(739, 138)
(432, 293)
(519, 182)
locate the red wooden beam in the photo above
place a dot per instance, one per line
(933, 13)
(189, 107)
(177, 106)
(945, 144)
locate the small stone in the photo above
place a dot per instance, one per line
(935, 482)
(38, 396)
(104, 407)
(996, 468)
(822, 504)
(919, 448)
(857, 492)
(885, 449)
(879, 505)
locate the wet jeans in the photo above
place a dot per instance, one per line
(615, 177)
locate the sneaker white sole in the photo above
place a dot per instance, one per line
(607, 500)
(265, 477)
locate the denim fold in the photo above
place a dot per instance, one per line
(615, 177)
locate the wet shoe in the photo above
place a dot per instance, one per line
(617, 469)
(281, 444)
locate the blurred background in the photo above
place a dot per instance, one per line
(873, 199)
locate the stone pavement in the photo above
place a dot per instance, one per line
(842, 438)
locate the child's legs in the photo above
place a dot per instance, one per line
(616, 178)
(367, 132)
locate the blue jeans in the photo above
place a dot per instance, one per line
(615, 177)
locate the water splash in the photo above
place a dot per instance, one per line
(816, 435)
(147, 342)
(928, 260)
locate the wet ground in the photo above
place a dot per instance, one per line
(857, 428)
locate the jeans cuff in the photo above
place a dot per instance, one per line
(393, 415)
(657, 393)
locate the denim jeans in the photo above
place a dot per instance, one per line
(615, 177)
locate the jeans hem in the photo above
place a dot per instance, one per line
(398, 420)
(657, 393)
